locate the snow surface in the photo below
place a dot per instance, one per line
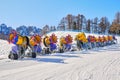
(97, 64)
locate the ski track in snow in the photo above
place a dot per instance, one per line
(96, 64)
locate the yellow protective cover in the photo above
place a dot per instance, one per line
(47, 41)
(97, 39)
(11, 36)
(111, 38)
(32, 42)
(38, 38)
(20, 40)
(81, 37)
(62, 41)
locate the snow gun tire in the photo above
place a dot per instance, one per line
(13, 56)
(61, 51)
(33, 55)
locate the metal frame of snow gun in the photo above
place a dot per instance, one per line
(21, 46)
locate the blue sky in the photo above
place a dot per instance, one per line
(41, 12)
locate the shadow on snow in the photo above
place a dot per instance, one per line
(68, 55)
(48, 60)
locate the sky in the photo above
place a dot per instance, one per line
(41, 12)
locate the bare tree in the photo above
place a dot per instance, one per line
(78, 22)
(69, 18)
(45, 29)
(88, 25)
(104, 23)
(95, 22)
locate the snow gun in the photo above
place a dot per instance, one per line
(81, 41)
(35, 42)
(112, 40)
(50, 44)
(21, 44)
(65, 43)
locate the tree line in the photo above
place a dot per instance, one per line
(70, 22)
(96, 25)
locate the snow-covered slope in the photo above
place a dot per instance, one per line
(5, 48)
(97, 64)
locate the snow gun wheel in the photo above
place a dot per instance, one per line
(33, 55)
(47, 51)
(13, 56)
(61, 51)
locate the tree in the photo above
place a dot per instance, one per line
(22, 30)
(115, 27)
(104, 23)
(74, 26)
(3, 28)
(10, 29)
(117, 18)
(45, 29)
(81, 21)
(95, 22)
(88, 25)
(54, 28)
(69, 18)
(78, 22)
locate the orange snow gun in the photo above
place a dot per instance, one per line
(69, 39)
(34, 40)
(53, 38)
